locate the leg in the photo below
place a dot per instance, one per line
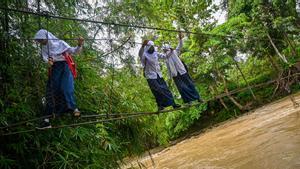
(153, 87)
(67, 89)
(186, 88)
(160, 90)
(167, 96)
(53, 90)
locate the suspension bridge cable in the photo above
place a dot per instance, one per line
(122, 114)
(138, 114)
(24, 122)
(46, 14)
(103, 120)
(121, 25)
(126, 114)
(111, 50)
(66, 39)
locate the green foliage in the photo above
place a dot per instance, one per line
(180, 121)
(216, 63)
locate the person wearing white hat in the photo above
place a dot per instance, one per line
(178, 71)
(149, 59)
(60, 86)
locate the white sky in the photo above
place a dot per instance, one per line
(298, 6)
(220, 15)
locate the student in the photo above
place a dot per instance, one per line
(178, 71)
(60, 86)
(149, 59)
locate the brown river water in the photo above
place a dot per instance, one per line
(267, 138)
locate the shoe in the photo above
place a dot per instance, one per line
(45, 124)
(76, 113)
(176, 106)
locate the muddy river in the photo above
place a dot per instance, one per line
(267, 138)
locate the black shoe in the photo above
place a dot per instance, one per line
(176, 106)
(44, 125)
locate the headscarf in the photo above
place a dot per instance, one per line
(147, 47)
(168, 49)
(54, 46)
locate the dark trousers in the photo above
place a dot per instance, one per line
(161, 92)
(186, 87)
(60, 89)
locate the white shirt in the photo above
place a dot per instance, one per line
(54, 47)
(173, 62)
(60, 57)
(151, 64)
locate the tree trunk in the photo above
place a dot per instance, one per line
(233, 100)
(274, 63)
(290, 44)
(243, 76)
(220, 99)
(223, 103)
(276, 50)
(297, 66)
(4, 59)
(241, 107)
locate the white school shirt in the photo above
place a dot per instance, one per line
(150, 63)
(60, 57)
(54, 47)
(173, 62)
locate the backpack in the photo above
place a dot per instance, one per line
(70, 63)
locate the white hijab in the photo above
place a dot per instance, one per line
(54, 46)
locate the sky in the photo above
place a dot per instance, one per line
(298, 6)
(220, 16)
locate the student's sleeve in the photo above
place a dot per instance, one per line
(161, 56)
(179, 46)
(75, 50)
(45, 56)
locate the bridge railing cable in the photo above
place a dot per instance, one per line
(122, 116)
(46, 14)
(110, 116)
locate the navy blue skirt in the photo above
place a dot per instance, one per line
(60, 89)
(161, 92)
(186, 88)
